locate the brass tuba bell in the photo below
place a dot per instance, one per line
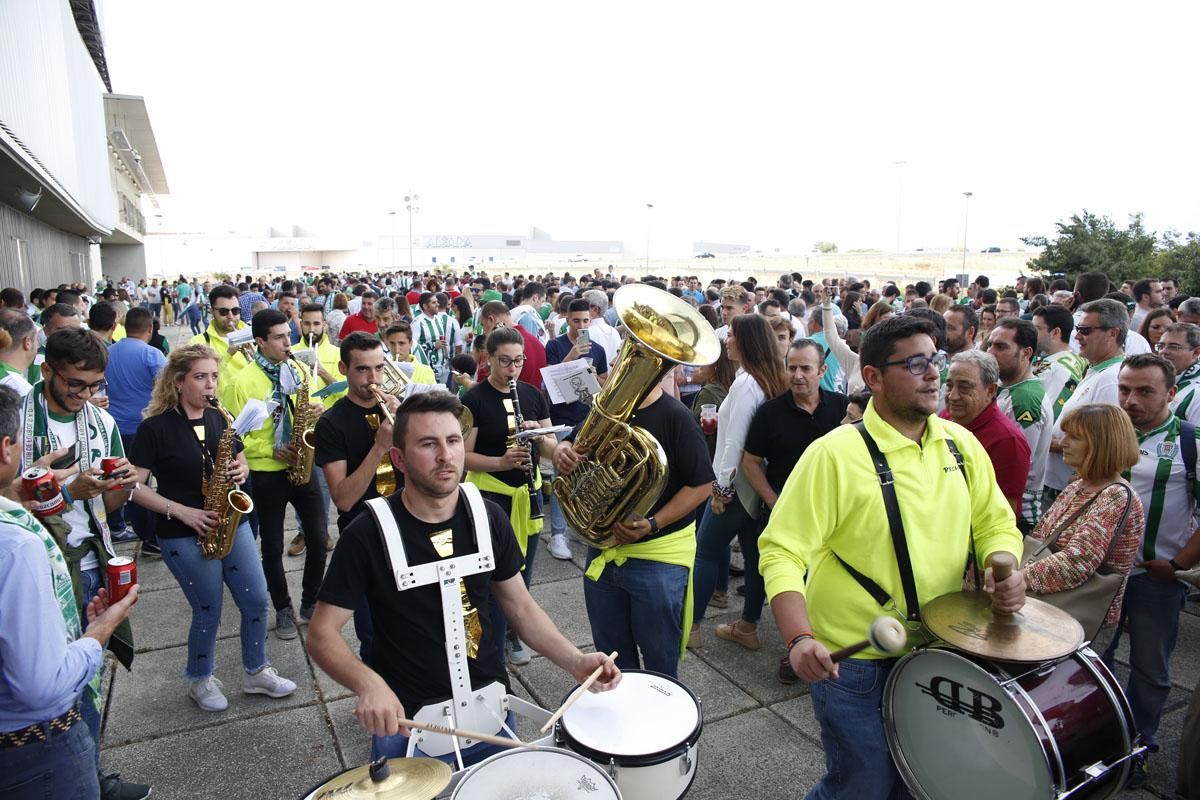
(626, 469)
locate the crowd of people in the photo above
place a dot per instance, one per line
(1065, 409)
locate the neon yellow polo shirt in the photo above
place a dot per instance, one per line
(833, 503)
(227, 366)
(328, 356)
(253, 383)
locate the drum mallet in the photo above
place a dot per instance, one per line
(886, 635)
(1002, 565)
(461, 734)
(578, 693)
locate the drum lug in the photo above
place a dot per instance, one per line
(685, 761)
(613, 769)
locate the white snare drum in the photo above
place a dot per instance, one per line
(960, 726)
(538, 774)
(645, 732)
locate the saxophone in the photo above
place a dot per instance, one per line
(303, 421)
(222, 497)
(626, 469)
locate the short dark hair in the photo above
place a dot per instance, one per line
(12, 298)
(102, 317)
(18, 325)
(68, 296)
(501, 337)
(859, 399)
(1057, 316)
(989, 296)
(969, 318)
(1148, 360)
(1141, 289)
(802, 344)
(879, 341)
(399, 327)
(532, 289)
(425, 298)
(308, 308)
(223, 290)
(58, 310)
(266, 319)
(982, 281)
(10, 412)
(935, 319)
(357, 341)
(76, 347)
(1024, 332)
(423, 403)
(493, 308)
(579, 305)
(138, 320)
(1091, 286)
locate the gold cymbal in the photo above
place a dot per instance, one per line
(402, 779)
(1038, 632)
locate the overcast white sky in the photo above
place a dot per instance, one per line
(771, 124)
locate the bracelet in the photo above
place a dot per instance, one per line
(798, 638)
(67, 496)
(1175, 565)
(169, 511)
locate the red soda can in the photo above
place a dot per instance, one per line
(39, 485)
(122, 574)
(108, 466)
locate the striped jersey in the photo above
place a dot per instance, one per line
(1099, 385)
(1185, 405)
(1026, 404)
(1160, 479)
(1060, 373)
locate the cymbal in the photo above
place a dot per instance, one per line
(402, 779)
(1038, 632)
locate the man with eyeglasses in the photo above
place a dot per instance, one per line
(1100, 335)
(227, 318)
(931, 461)
(1180, 344)
(502, 471)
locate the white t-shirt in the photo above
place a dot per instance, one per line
(1099, 385)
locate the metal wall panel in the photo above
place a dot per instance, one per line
(52, 257)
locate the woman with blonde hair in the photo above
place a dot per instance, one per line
(178, 443)
(941, 303)
(1096, 524)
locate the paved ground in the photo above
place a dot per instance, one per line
(760, 740)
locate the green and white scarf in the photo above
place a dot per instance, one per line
(283, 423)
(60, 579)
(91, 433)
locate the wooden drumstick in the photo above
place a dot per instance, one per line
(1002, 565)
(578, 693)
(461, 734)
(886, 635)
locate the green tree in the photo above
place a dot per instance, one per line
(1091, 243)
(1179, 258)
(825, 247)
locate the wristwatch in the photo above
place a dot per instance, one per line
(1175, 565)
(653, 524)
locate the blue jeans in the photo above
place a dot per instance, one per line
(857, 760)
(558, 520)
(638, 606)
(1150, 615)
(63, 766)
(397, 746)
(202, 580)
(712, 543)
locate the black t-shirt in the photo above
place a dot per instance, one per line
(781, 431)
(556, 350)
(409, 649)
(343, 434)
(487, 406)
(688, 464)
(169, 445)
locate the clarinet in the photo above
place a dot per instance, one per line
(535, 495)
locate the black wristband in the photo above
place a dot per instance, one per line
(653, 525)
(798, 639)
(1175, 565)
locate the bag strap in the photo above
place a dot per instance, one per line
(1069, 521)
(1187, 441)
(1117, 531)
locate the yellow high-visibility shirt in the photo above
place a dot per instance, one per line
(253, 383)
(833, 503)
(227, 366)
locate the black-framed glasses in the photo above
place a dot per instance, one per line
(918, 364)
(77, 388)
(227, 312)
(1160, 347)
(505, 361)
(1084, 330)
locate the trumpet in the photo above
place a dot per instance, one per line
(385, 473)
(375, 390)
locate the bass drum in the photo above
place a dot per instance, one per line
(959, 726)
(645, 733)
(542, 773)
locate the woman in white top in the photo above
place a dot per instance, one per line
(734, 507)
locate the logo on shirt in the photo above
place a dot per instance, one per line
(1025, 416)
(1166, 450)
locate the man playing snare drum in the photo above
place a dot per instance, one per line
(831, 519)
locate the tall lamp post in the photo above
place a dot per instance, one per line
(649, 208)
(966, 209)
(410, 205)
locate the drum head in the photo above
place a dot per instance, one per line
(536, 775)
(646, 714)
(954, 732)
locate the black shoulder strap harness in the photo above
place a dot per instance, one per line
(896, 524)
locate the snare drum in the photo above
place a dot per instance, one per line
(645, 733)
(961, 726)
(544, 772)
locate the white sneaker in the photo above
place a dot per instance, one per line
(518, 655)
(208, 695)
(559, 548)
(267, 681)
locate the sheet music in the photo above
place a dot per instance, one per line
(571, 381)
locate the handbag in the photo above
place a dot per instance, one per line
(1088, 602)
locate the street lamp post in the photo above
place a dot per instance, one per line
(410, 205)
(966, 209)
(649, 208)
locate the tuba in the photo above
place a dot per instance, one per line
(626, 468)
(303, 421)
(222, 497)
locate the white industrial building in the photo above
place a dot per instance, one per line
(136, 178)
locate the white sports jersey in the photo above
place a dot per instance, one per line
(1099, 385)
(1026, 404)
(1160, 479)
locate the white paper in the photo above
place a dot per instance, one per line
(254, 415)
(571, 381)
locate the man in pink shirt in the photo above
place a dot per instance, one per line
(971, 386)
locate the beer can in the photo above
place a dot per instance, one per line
(108, 466)
(39, 485)
(122, 574)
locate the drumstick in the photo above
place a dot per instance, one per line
(1002, 565)
(578, 693)
(461, 734)
(886, 635)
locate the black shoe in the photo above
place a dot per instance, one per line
(151, 549)
(124, 535)
(786, 675)
(1139, 775)
(306, 612)
(113, 788)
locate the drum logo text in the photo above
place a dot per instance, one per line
(981, 707)
(660, 689)
(588, 785)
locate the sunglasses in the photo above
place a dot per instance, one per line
(228, 312)
(1084, 330)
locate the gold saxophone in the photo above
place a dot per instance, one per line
(626, 468)
(222, 497)
(303, 421)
